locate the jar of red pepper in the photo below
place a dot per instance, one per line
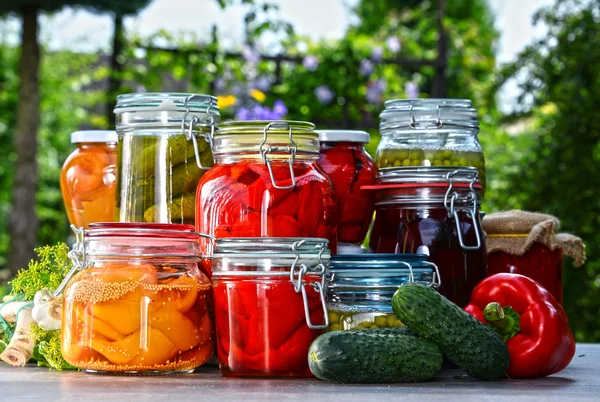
(269, 304)
(344, 159)
(266, 182)
(433, 210)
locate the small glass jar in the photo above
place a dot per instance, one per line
(344, 159)
(269, 304)
(164, 149)
(430, 132)
(138, 302)
(266, 183)
(360, 287)
(436, 210)
(88, 178)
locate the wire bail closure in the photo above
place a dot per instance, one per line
(77, 257)
(266, 149)
(451, 197)
(297, 275)
(413, 122)
(189, 133)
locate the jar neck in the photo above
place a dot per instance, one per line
(90, 145)
(354, 146)
(232, 148)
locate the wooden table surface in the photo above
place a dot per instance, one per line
(579, 381)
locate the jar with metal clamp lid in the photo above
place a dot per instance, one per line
(266, 182)
(136, 301)
(430, 132)
(269, 304)
(360, 287)
(436, 209)
(164, 149)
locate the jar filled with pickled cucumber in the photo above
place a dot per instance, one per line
(430, 132)
(164, 149)
(136, 301)
(360, 287)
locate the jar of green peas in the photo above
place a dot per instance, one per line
(430, 132)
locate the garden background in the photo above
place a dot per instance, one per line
(542, 155)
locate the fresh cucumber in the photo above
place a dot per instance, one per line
(471, 345)
(378, 355)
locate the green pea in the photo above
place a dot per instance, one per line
(415, 162)
(391, 319)
(462, 162)
(447, 154)
(335, 327)
(406, 162)
(398, 324)
(397, 163)
(374, 326)
(381, 321)
(334, 317)
(447, 163)
(455, 163)
(437, 162)
(402, 155)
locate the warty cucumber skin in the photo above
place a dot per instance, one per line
(471, 345)
(373, 356)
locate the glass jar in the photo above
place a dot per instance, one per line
(360, 287)
(430, 132)
(344, 159)
(136, 301)
(269, 304)
(435, 209)
(164, 149)
(88, 178)
(266, 183)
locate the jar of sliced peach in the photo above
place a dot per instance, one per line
(139, 303)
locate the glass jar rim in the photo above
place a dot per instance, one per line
(239, 247)
(429, 175)
(275, 127)
(166, 101)
(173, 231)
(428, 114)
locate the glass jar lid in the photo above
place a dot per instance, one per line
(361, 137)
(428, 114)
(429, 175)
(166, 102)
(99, 136)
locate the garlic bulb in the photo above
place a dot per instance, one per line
(47, 310)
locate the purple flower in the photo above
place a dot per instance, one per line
(310, 62)
(411, 89)
(220, 85)
(250, 55)
(263, 84)
(280, 109)
(324, 94)
(377, 53)
(366, 67)
(242, 114)
(375, 91)
(393, 44)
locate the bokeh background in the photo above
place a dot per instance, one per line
(531, 67)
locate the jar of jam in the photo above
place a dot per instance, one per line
(360, 287)
(436, 210)
(88, 178)
(269, 304)
(164, 149)
(430, 132)
(136, 301)
(266, 183)
(344, 159)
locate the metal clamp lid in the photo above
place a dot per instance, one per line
(189, 134)
(450, 199)
(266, 149)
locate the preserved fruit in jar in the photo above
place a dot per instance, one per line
(88, 178)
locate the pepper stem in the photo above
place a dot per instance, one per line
(505, 321)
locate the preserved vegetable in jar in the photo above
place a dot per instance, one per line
(266, 183)
(344, 159)
(88, 178)
(436, 210)
(269, 304)
(360, 287)
(430, 132)
(138, 303)
(164, 149)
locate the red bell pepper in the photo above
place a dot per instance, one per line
(531, 321)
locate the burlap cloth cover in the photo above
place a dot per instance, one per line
(514, 232)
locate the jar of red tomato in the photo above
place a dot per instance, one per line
(344, 159)
(266, 182)
(433, 210)
(269, 304)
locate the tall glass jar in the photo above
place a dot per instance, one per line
(164, 149)
(266, 183)
(269, 304)
(360, 287)
(88, 178)
(344, 159)
(435, 210)
(137, 302)
(430, 132)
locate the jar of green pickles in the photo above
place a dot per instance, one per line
(430, 132)
(164, 149)
(360, 287)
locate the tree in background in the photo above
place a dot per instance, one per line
(560, 80)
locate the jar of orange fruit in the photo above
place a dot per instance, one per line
(88, 178)
(137, 302)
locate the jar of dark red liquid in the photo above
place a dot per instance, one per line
(269, 304)
(527, 243)
(344, 159)
(266, 182)
(433, 210)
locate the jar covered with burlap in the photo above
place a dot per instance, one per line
(527, 243)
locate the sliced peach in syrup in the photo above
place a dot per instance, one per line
(157, 349)
(119, 352)
(123, 314)
(179, 329)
